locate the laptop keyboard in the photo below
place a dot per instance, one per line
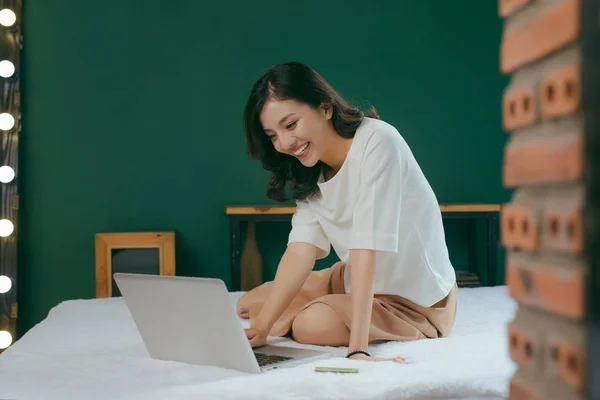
(267, 359)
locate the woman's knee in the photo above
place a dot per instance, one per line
(319, 324)
(242, 302)
(258, 294)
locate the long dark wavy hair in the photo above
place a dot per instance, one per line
(294, 81)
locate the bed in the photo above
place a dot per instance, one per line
(90, 349)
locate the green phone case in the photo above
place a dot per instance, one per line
(334, 369)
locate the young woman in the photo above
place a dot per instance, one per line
(358, 189)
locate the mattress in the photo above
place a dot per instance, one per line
(91, 349)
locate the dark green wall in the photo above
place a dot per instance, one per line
(132, 117)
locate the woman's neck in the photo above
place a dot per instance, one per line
(335, 155)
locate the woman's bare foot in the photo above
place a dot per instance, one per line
(243, 312)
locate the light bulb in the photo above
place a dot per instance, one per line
(7, 121)
(7, 17)
(7, 174)
(7, 69)
(6, 227)
(5, 284)
(5, 339)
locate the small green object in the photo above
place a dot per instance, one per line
(334, 369)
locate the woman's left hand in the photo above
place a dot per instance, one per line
(371, 358)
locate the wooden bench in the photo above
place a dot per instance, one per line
(251, 265)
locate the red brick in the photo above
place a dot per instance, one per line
(563, 230)
(559, 290)
(519, 390)
(509, 7)
(540, 35)
(518, 108)
(519, 228)
(523, 348)
(560, 92)
(569, 360)
(555, 159)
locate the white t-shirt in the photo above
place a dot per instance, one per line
(380, 200)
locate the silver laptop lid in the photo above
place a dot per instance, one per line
(191, 320)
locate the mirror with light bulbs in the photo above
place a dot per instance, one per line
(10, 128)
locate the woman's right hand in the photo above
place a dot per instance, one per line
(257, 336)
(293, 270)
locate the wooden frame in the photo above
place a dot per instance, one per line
(106, 242)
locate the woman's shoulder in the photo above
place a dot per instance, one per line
(375, 133)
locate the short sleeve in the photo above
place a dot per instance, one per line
(376, 219)
(307, 229)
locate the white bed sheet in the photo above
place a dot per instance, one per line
(90, 349)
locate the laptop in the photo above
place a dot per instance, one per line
(192, 320)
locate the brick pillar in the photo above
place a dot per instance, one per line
(549, 112)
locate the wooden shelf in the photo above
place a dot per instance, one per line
(265, 209)
(246, 261)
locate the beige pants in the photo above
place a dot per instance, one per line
(394, 318)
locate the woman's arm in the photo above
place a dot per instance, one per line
(362, 279)
(293, 270)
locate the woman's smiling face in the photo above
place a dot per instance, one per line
(296, 129)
